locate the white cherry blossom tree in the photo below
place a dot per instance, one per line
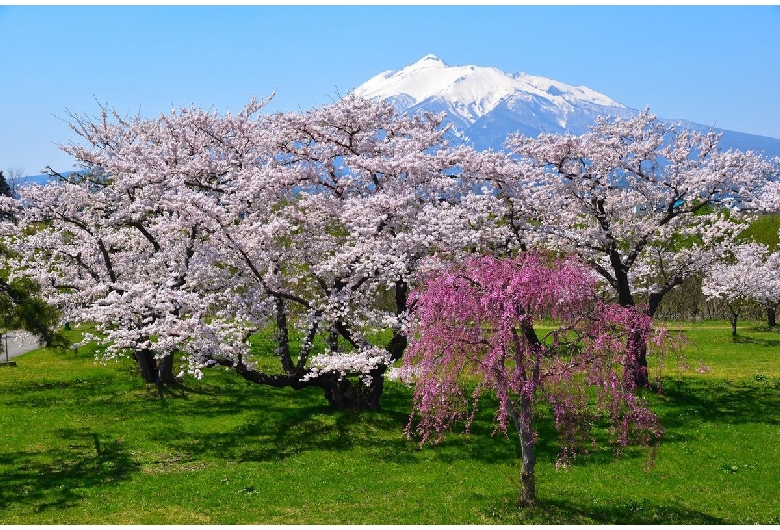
(193, 230)
(634, 198)
(107, 254)
(357, 199)
(749, 275)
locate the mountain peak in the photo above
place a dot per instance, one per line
(428, 61)
(470, 92)
(484, 104)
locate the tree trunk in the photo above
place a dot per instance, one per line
(283, 337)
(622, 283)
(397, 345)
(522, 423)
(165, 371)
(159, 372)
(626, 299)
(399, 341)
(344, 395)
(771, 314)
(640, 375)
(146, 365)
(656, 297)
(369, 395)
(734, 317)
(654, 300)
(333, 339)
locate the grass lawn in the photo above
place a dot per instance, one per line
(86, 443)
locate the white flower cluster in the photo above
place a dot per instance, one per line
(361, 363)
(405, 374)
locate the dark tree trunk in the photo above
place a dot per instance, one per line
(771, 314)
(621, 282)
(734, 316)
(333, 339)
(398, 342)
(159, 372)
(337, 392)
(639, 373)
(626, 299)
(344, 395)
(397, 345)
(656, 297)
(641, 378)
(369, 399)
(283, 337)
(165, 371)
(653, 302)
(147, 365)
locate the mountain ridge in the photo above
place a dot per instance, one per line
(484, 104)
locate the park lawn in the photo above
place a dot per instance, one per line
(86, 443)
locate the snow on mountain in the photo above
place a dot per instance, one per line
(473, 90)
(485, 104)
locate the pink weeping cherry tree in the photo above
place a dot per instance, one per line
(473, 329)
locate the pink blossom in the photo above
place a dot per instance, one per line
(474, 325)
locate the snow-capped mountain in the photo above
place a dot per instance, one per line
(484, 104)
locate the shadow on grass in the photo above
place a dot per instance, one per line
(281, 424)
(279, 428)
(560, 512)
(754, 402)
(54, 479)
(57, 393)
(763, 328)
(254, 423)
(767, 343)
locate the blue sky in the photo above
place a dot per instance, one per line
(708, 64)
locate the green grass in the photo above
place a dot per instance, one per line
(86, 443)
(763, 229)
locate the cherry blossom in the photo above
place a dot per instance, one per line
(474, 328)
(749, 274)
(189, 232)
(638, 200)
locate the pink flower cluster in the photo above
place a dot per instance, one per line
(477, 329)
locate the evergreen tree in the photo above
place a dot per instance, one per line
(5, 188)
(21, 306)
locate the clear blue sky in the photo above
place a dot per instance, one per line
(708, 64)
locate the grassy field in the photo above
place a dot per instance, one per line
(86, 443)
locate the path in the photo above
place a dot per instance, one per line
(19, 342)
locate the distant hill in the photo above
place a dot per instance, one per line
(485, 104)
(42, 179)
(35, 179)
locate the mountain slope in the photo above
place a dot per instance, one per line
(485, 104)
